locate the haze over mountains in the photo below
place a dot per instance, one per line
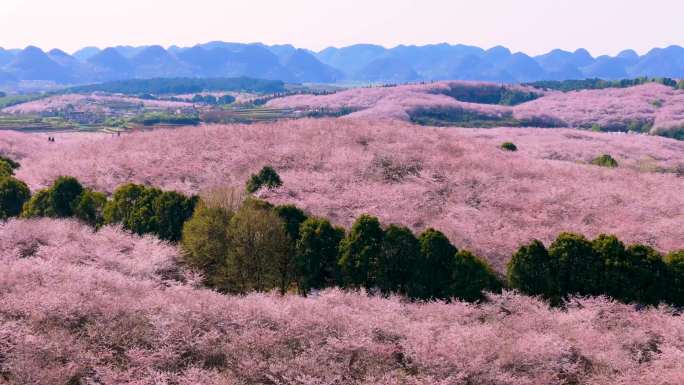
(357, 63)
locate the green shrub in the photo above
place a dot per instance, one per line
(13, 164)
(266, 177)
(359, 252)
(13, 195)
(38, 205)
(508, 146)
(5, 169)
(605, 160)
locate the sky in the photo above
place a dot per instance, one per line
(530, 26)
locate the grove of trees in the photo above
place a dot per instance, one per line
(241, 244)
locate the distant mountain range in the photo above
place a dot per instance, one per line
(356, 63)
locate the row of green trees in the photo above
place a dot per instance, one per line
(257, 246)
(574, 265)
(241, 245)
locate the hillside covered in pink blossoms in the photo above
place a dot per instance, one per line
(79, 307)
(457, 180)
(657, 107)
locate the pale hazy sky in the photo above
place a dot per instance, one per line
(531, 26)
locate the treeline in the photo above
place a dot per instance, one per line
(258, 246)
(161, 86)
(596, 84)
(197, 98)
(137, 208)
(164, 117)
(487, 94)
(242, 244)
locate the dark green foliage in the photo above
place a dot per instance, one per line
(531, 270)
(605, 160)
(508, 146)
(460, 117)
(182, 86)
(436, 266)
(226, 99)
(58, 201)
(648, 275)
(675, 267)
(579, 267)
(153, 118)
(13, 164)
(213, 100)
(618, 267)
(38, 205)
(398, 261)
(171, 211)
(65, 194)
(144, 210)
(13, 194)
(472, 276)
(90, 208)
(317, 251)
(359, 252)
(5, 169)
(293, 217)
(487, 94)
(267, 176)
(7, 166)
(123, 200)
(595, 84)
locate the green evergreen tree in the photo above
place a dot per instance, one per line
(90, 208)
(359, 252)
(675, 267)
(436, 266)
(65, 194)
(13, 195)
(648, 275)
(398, 260)
(38, 205)
(532, 271)
(617, 282)
(472, 277)
(580, 269)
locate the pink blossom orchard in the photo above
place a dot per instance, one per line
(111, 308)
(656, 103)
(486, 200)
(88, 103)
